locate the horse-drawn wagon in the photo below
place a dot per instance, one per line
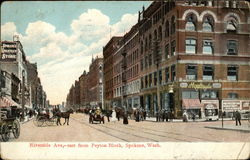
(8, 124)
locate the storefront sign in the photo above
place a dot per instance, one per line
(231, 105)
(245, 105)
(8, 56)
(216, 85)
(183, 85)
(197, 86)
(210, 104)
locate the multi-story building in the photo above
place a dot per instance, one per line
(108, 61)
(83, 80)
(25, 86)
(88, 91)
(195, 56)
(13, 61)
(95, 82)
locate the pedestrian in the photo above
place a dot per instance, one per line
(193, 117)
(185, 116)
(137, 115)
(125, 118)
(113, 119)
(237, 118)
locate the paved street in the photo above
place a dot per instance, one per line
(80, 130)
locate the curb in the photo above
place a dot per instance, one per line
(231, 129)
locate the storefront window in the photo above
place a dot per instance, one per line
(190, 95)
(209, 94)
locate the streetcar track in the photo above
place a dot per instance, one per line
(142, 136)
(100, 130)
(171, 133)
(117, 131)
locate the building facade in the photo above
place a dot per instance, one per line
(204, 51)
(25, 83)
(193, 55)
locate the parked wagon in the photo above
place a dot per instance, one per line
(8, 124)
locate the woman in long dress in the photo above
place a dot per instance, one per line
(113, 119)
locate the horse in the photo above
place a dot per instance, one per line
(64, 115)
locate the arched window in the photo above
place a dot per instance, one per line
(160, 33)
(191, 23)
(207, 25)
(232, 25)
(166, 29)
(172, 25)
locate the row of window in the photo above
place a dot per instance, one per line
(132, 58)
(208, 72)
(208, 24)
(191, 74)
(208, 47)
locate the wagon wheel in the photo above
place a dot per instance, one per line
(35, 120)
(51, 121)
(5, 132)
(40, 121)
(16, 129)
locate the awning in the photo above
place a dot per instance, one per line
(7, 102)
(191, 103)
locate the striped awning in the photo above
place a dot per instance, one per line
(191, 103)
(7, 102)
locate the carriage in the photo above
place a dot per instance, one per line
(8, 124)
(94, 117)
(42, 119)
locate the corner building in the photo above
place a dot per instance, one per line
(203, 49)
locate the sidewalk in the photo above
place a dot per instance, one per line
(153, 119)
(242, 128)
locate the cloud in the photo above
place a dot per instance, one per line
(62, 58)
(8, 30)
(91, 25)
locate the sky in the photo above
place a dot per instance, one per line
(62, 36)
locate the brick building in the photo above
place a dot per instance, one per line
(83, 88)
(108, 62)
(193, 55)
(195, 72)
(88, 90)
